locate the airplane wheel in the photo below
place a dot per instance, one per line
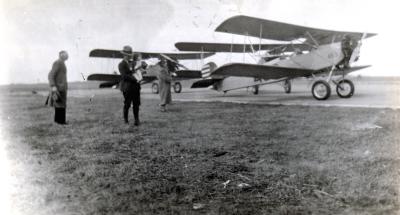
(177, 87)
(321, 90)
(345, 88)
(255, 89)
(155, 88)
(287, 86)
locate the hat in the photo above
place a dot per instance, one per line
(127, 50)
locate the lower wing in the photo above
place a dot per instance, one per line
(104, 77)
(267, 72)
(114, 78)
(260, 71)
(108, 84)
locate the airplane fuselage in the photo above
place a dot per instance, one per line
(318, 58)
(324, 56)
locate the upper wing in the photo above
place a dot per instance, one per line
(267, 29)
(188, 56)
(107, 53)
(226, 47)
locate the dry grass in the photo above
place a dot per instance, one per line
(297, 160)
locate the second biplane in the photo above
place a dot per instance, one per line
(150, 75)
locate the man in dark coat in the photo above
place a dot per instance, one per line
(59, 86)
(129, 85)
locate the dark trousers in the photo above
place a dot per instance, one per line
(133, 99)
(59, 116)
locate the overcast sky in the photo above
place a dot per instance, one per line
(34, 31)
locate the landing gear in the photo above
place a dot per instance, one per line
(177, 87)
(321, 90)
(345, 88)
(155, 88)
(287, 86)
(255, 89)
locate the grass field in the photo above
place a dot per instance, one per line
(200, 158)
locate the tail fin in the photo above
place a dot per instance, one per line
(207, 69)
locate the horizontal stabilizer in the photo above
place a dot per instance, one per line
(239, 48)
(204, 83)
(106, 53)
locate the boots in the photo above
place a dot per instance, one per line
(163, 108)
(59, 116)
(126, 111)
(136, 115)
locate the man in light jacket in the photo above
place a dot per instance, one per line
(165, 79)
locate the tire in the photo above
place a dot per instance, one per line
(321, 90)
(155, 88)
(287, 86)
(255, 89)
(177, 87)
(345, 88)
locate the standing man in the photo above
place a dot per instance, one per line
(165, 79)
(59, 86)
(129, 85)
(347, 49)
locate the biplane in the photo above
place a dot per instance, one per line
(150, 75)
(326, 56)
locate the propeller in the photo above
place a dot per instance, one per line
(356, 52)
(363, 37)
(172, 60)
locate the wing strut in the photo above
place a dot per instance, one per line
(261, 28)
(333, 65)
(312, 38)
(230, 57)
(202, 57)
(244, 49)
(252, 49)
